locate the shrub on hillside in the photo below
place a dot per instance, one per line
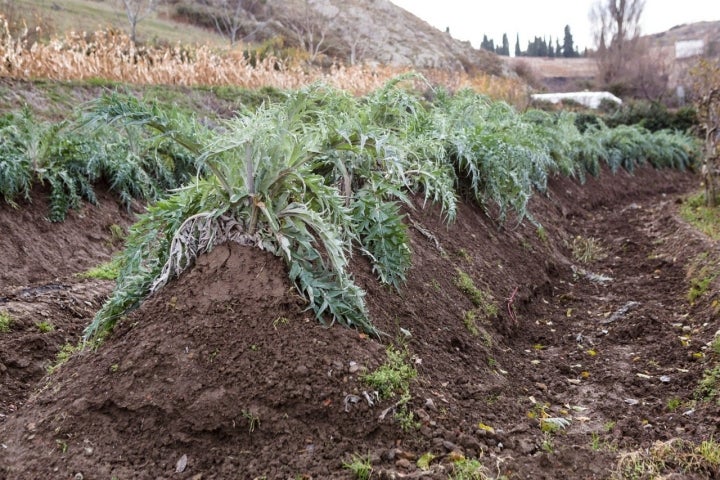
(652, 115)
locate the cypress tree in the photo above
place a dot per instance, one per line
(568, 47)
(485, 45)
(518, 52)
(551, 48)
(543, 50)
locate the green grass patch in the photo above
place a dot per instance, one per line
(702, 274)
(89, 15)
(470, 321)
(542, 235)
(360, 466)
(251, 99)
(105, 271)
(673, 404)
(469, 469)
(6, 322)
(700, 285)
(45, 326)
(704, 218)
(63, 356)
(715, 346)
(478, 297)
(672, 456)
(709, 386)
(394, 376)
(392, 379)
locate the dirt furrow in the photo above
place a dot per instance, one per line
(620, 359)
(44, 318)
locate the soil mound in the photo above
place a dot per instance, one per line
(223, 374)
(223, 368)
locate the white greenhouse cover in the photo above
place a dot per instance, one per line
(589, 99)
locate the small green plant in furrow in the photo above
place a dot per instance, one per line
(6, 321)
(105, 271)
(45, 326)
(479, 298)
(587, 249)
(360, 466)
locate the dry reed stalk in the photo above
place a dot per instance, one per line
(111, 56)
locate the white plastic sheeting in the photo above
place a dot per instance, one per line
(588, 99)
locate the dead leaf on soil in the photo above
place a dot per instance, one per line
(577, 408)
(423, 462)
(181, 464)
(487, 428)
(455, 456)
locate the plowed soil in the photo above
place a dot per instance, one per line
(224, 374)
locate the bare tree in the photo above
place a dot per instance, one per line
(357, 42)
(616, 25)
(232, 17)
(650, 71)
(136, 11)
(705, 77)
(359, 33)
(312, 26)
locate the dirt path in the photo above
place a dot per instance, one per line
(617, 351)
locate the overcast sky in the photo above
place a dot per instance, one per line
(470, 19)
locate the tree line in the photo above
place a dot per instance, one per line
(538, 47)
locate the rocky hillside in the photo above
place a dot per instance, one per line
(354, 30)
(709, 32)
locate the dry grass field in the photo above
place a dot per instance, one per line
(111, 56)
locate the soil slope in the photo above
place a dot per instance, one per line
(223, 374)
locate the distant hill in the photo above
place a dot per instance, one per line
(707, 31)
(353, 30)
